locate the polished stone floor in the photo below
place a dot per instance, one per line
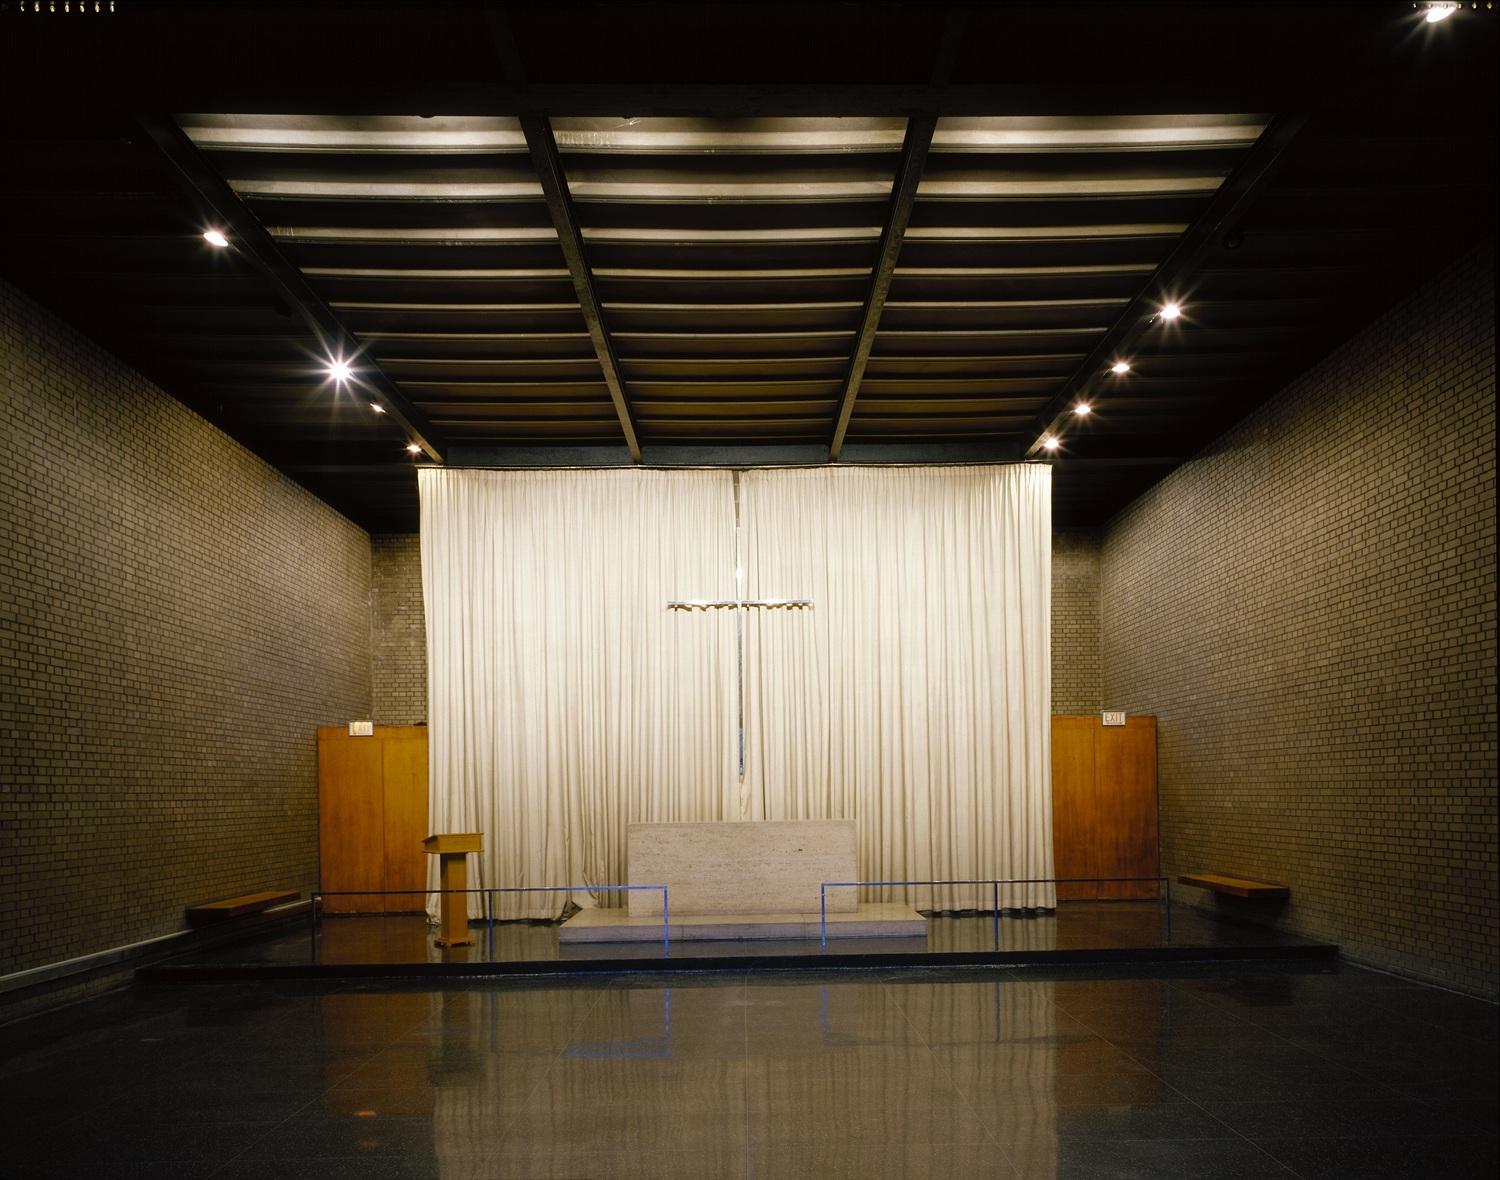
(1215, 1071)
(1078, 925)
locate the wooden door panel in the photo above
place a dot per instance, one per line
(351, 822)
(1073, 805)
(405, 756)
(1125, 790)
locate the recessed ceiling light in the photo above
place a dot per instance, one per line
(215, 238)
(377, 407)
(1050, 444)
(1083, 409)
(1170, 311)
(1120, 367)
(1437, 12)
(413, 448)
(340, 370)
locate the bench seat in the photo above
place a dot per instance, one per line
(238, 907)
(1235, 886)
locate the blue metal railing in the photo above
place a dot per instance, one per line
(315, 910)
(995, 884)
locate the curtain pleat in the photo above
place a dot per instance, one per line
(915, 696)
(565, 701)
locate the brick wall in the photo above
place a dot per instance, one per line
(176, 619)
(1309, 609)
(398, 630)
(1075, 621)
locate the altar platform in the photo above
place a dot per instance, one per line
(1080, 932)
(868, 920)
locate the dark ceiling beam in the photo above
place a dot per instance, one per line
(914, 149)
(544, 157)
(251, 242)
(1230, 202)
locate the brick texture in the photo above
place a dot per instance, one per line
(176, 619)
(1075, 621)
(398, 630)
(1309, 610)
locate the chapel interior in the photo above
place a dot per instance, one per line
(1160, 337)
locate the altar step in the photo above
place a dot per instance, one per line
(872, 920)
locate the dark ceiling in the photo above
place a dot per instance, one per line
(579, 233)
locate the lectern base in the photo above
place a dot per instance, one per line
(452, 942)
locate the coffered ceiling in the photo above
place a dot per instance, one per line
(675, 234)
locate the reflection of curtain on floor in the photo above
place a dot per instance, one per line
(915, 697)
(564, 699)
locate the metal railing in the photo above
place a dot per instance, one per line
(995, 884)
(315, 909)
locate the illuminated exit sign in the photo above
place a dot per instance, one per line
(1112, 718)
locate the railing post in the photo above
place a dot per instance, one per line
(666, 926)
(823, 914)
(996, 885)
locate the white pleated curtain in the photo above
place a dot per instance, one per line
(915, 697)
(566, 701)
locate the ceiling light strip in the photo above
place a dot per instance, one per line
(257, 247)
(1228, 204)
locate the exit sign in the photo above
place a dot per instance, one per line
(1112, 718)
(361, 729)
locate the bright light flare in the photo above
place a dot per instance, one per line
(1171, 311)
(1083, 409)
(340, 370)
(1050, 443)
(413, 448)
(1437, 12)
(215, 237)
(377, 407)
(1120, 367)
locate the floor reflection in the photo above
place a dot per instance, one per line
(1210, 1070)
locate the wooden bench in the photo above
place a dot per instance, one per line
(1235, 886)
(238, 907)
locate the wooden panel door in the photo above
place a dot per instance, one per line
(1125, 799)
(404, 749)
(351, 822)
(1074, 843)
(1104, 806)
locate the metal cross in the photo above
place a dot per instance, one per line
(740, 603)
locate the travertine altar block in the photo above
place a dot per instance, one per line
(753, 867)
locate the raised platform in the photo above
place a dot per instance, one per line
(1079, 932)
(873, 920)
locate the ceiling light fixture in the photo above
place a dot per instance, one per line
(340, 370)
(1050, 443)
(377, 407)
(1170, 311)
(1083, 409)
(215, 237)
(1120, 367)
(413, 448)
(1440, 11)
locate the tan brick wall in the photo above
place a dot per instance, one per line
(1075, 621)
(176, 619)
(1309, 609)
(398, 636)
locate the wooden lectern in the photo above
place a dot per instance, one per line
(452, 850)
